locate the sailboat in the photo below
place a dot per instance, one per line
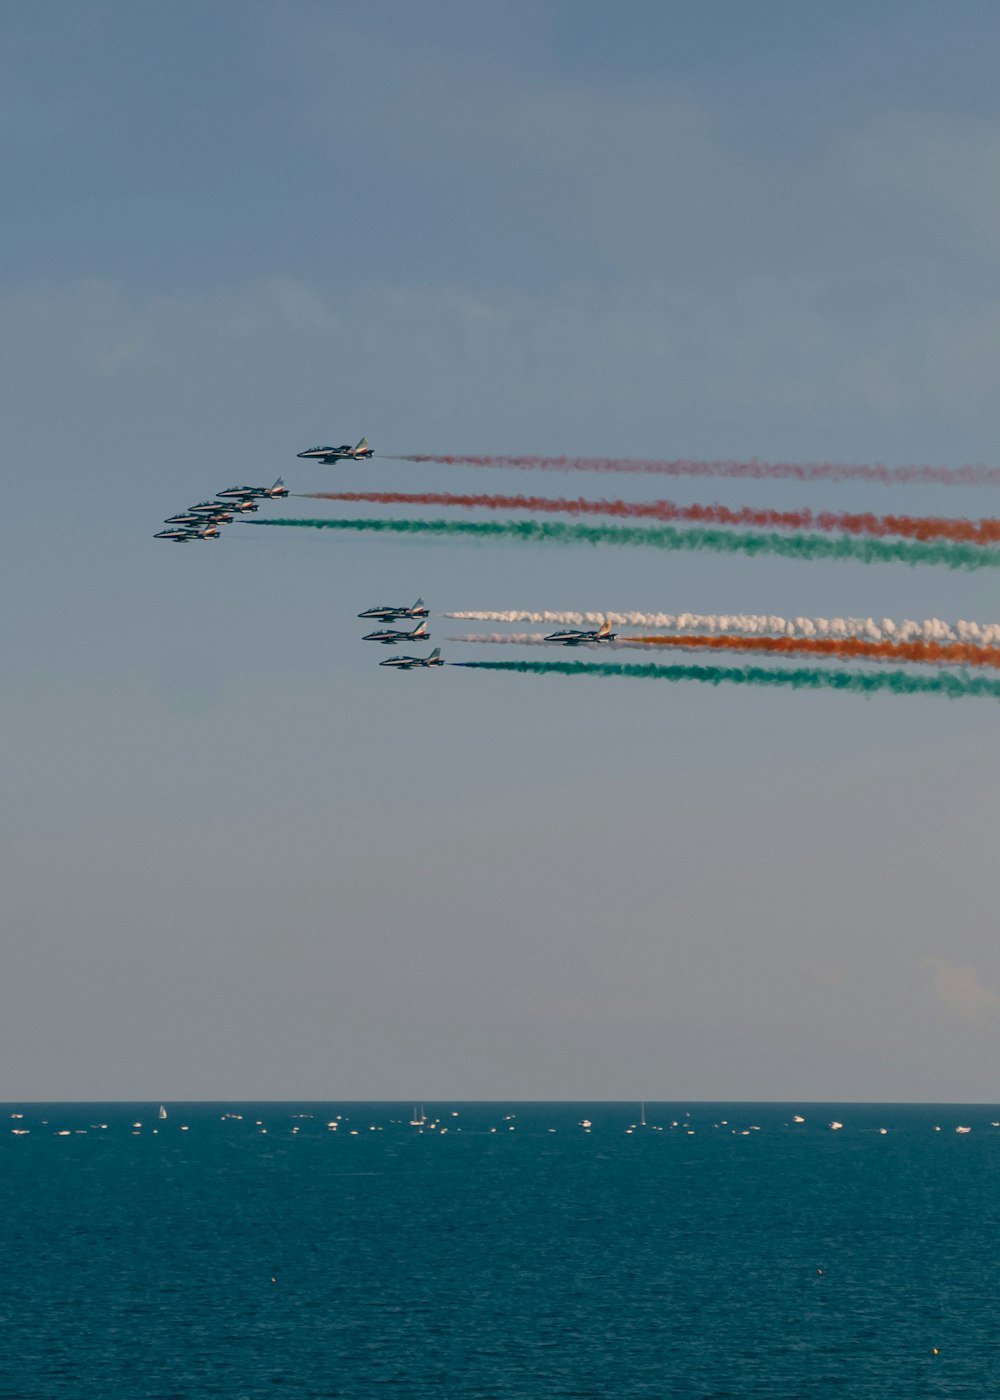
(163, 1112)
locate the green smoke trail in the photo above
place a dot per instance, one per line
(868, 551)
(953, 685)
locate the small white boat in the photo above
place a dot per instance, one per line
(163, 1112)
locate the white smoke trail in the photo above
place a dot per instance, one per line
(762, 625)
(521, 639)
(522, 616)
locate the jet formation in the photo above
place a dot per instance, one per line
(202, 521)
(389, 636)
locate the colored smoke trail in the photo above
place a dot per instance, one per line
(753, 469)
(932, 629)
(804, 547)
(848, 649)
(879, 526)
(952, 685)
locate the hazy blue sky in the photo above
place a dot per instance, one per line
(238, 859)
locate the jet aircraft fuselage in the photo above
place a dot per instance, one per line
(183, 533)
(210, 507)
(412, 663)
(394, 614)
(249, 493)
(345, 452)
(574, 638)
(389, 636)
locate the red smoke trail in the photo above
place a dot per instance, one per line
(754, 469)
(849, 648)
(910, 526)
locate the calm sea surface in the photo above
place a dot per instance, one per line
(247, 1250)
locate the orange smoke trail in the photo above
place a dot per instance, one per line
(849, 648)
(908, 526)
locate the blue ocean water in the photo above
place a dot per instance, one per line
(724, 1250)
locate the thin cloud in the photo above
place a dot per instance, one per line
(959, 991)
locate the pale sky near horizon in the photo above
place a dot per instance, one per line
(239, 860)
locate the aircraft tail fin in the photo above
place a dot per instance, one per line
(435, 654)
(605, 628)
(362, 445)
(420, 630)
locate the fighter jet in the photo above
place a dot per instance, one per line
(576, 639)
(389, 637)
(248, 493)
(182, 533)
(391, 614)
(345, 451)
(212, 508)
(409, 663)
(188, 518)
(204, 517)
